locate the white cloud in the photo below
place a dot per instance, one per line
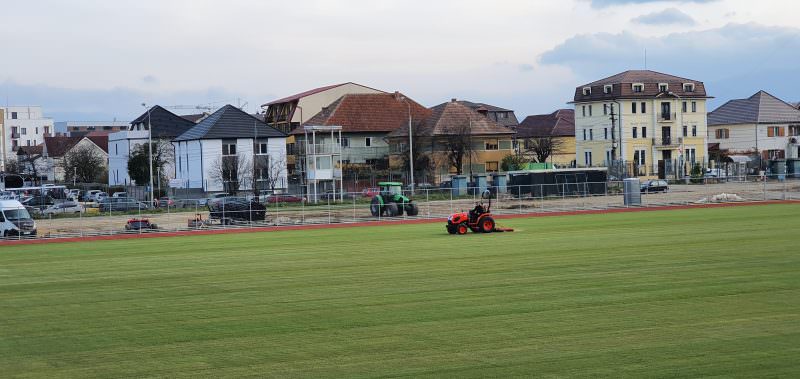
(665, 17)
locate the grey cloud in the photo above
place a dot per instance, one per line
(608, 3)
(149, 79)
(666, 17)
(735, 60)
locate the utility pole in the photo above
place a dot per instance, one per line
(150, 151)
(613, 134)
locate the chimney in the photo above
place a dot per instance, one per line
(397, 95)
(453, 100)
(483, 111)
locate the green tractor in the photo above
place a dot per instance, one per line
(391, 202)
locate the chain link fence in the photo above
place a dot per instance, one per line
(187, 214)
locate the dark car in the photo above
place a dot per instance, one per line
(38, 201)
(140, 224)
(657, 185)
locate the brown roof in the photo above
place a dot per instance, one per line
(372, 112)
(449, 119)
(60, 145)
(560, 123)
(30, 150)
(622, 86)
(309, 93)
(101, 141)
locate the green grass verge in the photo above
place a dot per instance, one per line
(683, 293)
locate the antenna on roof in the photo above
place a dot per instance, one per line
(645, 58)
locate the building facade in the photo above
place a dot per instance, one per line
(559, 127)
(231, 151)
(645, 122)
(23, 126)
(760, 125)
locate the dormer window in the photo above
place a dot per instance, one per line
(663, 87)
(688, 87)
(608, 88)
(587, 91)
(637, 87)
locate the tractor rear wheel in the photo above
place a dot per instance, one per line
(487, 224)
(391, 209)
(462, 228)
(412, 209)
(375, 206)
(451, 229)
(399, 208)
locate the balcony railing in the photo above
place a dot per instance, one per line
(667, 116)
(667, 142)
(14, 134)
(320, 149)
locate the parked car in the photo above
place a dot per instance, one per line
(140, 224)
(15, 219)
(89, 195)
(214, 197)
(166, 202)
(38, 201)
(119, 194)
(68, 207)
(283, 198)
(100, 196)
(121, 204)
(656, 185)
(74, 194)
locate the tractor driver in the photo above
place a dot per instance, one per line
(478, 210)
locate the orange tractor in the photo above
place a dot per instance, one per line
(479, 219)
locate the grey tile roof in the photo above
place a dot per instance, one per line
(165, 123)
(761, 108)
(560, 123)
(230, 122)
(493, 112)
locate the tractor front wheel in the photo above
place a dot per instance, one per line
(462, 228)
(487, 224)
(375, 206)
(391, 209)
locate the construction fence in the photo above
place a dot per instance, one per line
(431, 203)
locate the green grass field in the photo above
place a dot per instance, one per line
(681, 293)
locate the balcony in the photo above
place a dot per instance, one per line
(320, 149)
(667, 142)
(14, 134)
(667, 116)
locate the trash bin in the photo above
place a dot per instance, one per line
(632, 192)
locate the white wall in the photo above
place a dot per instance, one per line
(313, 104)
(29, 118)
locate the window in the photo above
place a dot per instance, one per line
(323, 163)
(590, 111)
(608, 157)
(504, 115)
(639, 157)
(46, 130)
(228, 147)
(688, 87)
(637, 88)
(683, 107)
(116, 149)
(36, 130)
(689, 155)
(367, 141)
(29, 142)
(345, 142)
(634, 132)
(24, 131)
(694, 106)
(491, 167)
(591, 134)
(260, 148)
(13, 115)
(633, 107)
(722, 133)
(775, 154)
(663, 87)
(605, 133)
(583, 110)
(644, 132)
(587, 158)
(775, 131)
(644, 107)
(794, 130)
(587, 91)
(605, 109)
(685, 131)
(694, 130)
(491, 144)
(584, 134)
(608, 88)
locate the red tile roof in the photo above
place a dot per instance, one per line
(101, 141)
(560, 123)
(450, 119)
(373, 112)
(60, 145)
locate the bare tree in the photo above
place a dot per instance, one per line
(83, 164)
(29, 164)
(12, 165)
(420, 145)
(273, 172)
(458, 146)
(542, 148)
(163, 154)
(231, 171)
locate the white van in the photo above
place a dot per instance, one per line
(15, 219)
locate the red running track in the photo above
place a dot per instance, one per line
(372, 223)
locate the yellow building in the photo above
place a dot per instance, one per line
(559, 127)
(450, 128)
(654, 124)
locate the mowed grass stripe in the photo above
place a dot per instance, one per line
(674, 293)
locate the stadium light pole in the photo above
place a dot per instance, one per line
(150, 150)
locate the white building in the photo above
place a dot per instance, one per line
(22, 126)
(166, 126)
(760, 124)
(218, 153)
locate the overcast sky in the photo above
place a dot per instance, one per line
(99, 59)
